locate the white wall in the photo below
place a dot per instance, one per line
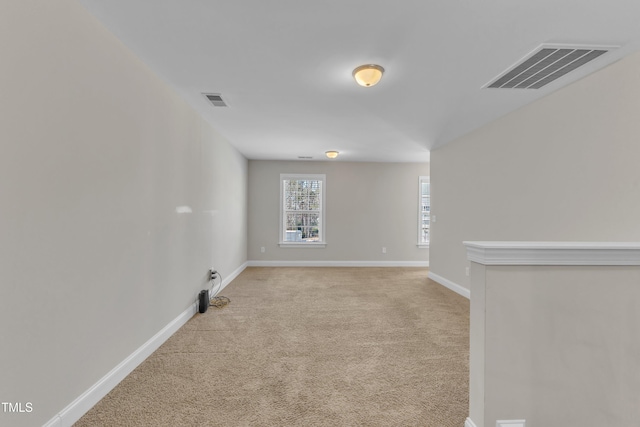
(562, 168)
(96, 154)
(368, 206)
(560, 345)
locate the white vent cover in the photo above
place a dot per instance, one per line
(546, 64)
(215, 99)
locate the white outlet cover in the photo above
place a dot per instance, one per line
(510, 423)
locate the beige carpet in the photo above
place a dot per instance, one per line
(308, 347)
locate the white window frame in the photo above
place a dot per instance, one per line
(321, 243)
(421, 180)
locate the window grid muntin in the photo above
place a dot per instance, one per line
(302, 208)
(424, 215)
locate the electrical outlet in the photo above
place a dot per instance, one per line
(213, 274)
(384, 250)
(262, 249)
(466, 271)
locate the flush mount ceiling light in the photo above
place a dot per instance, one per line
(332, 154)
(368, 75)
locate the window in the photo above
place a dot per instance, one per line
(424, 203)
(302, 210)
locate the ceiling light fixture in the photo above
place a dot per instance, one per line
(368, 75)
(332, 154)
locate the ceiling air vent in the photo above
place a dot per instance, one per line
(215, 99)
(546, 64)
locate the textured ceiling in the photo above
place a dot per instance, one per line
(284, 66)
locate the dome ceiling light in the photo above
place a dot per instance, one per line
(332, 154)
(368, 75)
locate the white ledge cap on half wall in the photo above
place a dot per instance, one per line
(554, 253)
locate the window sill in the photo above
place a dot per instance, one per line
(314, 245)
(423, 246)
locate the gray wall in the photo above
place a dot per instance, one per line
(562, 168)
(368, 206)
(97, 153)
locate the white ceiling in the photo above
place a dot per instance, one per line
(284, 66)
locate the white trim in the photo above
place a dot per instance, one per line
(54, 422)
(323, 211)
(76, 409)
(510, 423)
(298, 245)
(258, 263)
(421, 179)
(554, 253)
(226, 281)
(449, 284)
(233, 275)
(469, 423)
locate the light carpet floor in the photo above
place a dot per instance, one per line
(308, 347)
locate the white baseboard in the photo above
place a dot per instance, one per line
(258, 263)
(510, 423)
(469, 423)
(54, 422)
(76, 409)
(233, 275)
(449, 284)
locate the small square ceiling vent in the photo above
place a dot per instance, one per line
(215, 99)
(546, 64)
